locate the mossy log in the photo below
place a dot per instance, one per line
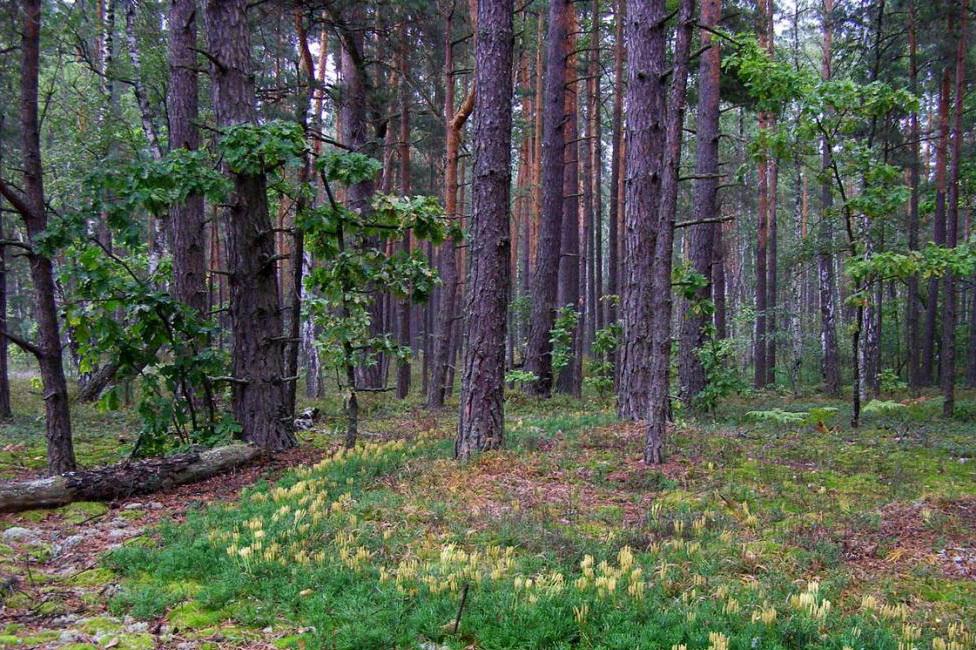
(123, 480)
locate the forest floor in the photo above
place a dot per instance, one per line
(759, 532)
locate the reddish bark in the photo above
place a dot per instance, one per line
(538, 354)
(481, 422)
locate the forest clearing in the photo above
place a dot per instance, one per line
(443, 325)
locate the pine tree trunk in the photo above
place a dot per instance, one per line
(481, 422)
(548, 254)
(646, 109)
(186, 221)
(694, 332)
(568, 294)
(616, 160)
(259, 396)
(403, 306)
(443, 342)
(598, 314)
(31, 206)
(659, 398)
(948, 375)
(830, 362)
(938, 230)
(912, 298)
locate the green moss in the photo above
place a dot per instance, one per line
(193, 617)
(92, 578)
(101, 624)
(7, 640)
(18, 600)
(141, 641)
(80, 511)
(45, 636)
(51, 607)
(34, 515)
(290, 641)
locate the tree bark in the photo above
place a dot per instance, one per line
(694, 330)
(938, 229)
(830, 363)
(596, 311)
(32, 209)
(948, 365)
(912, 298)
(123, 480)
(443, 344)
(762, 230)
(568, 293)
(645, 35)
(616, 159)
(538, 354)
(659, 397)
(481, 422)
(186, 220)
(259, 396)
(403, 146)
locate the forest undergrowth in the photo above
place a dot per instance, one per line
(772, 525)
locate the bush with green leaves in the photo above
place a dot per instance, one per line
(120, 313)
(605, 343)
(561, 337)
(354, 266)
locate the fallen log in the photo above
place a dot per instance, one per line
(123, 480)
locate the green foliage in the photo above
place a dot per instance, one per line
(130, 320)
(605, 344)
(722, 378)
(121, 312)
(890, 381)
(348, 168)
(932, 261)
(770, 83)
(561, 337)
(778, 416)
(521, 377)
(354, 263)
(253, 149)
(884, 408)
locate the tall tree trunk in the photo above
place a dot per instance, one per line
(646, 33)
(772, 266)
(403, 307)
(719, 283)
(830, 362)
(259, 396)
(616, 160)
(443, 356)
(912, 299)
(186, 221)
(481, 422)
(694, 330)
(762, 230)
(948, 365)
(297, 261)
(938, 229)
(596, 161)
(5, 411)
(568, 294)
(31, 206)
(538, 349)
(659, 398)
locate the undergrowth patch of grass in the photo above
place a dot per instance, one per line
(750, 537)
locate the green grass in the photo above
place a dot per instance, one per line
(564, 539)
